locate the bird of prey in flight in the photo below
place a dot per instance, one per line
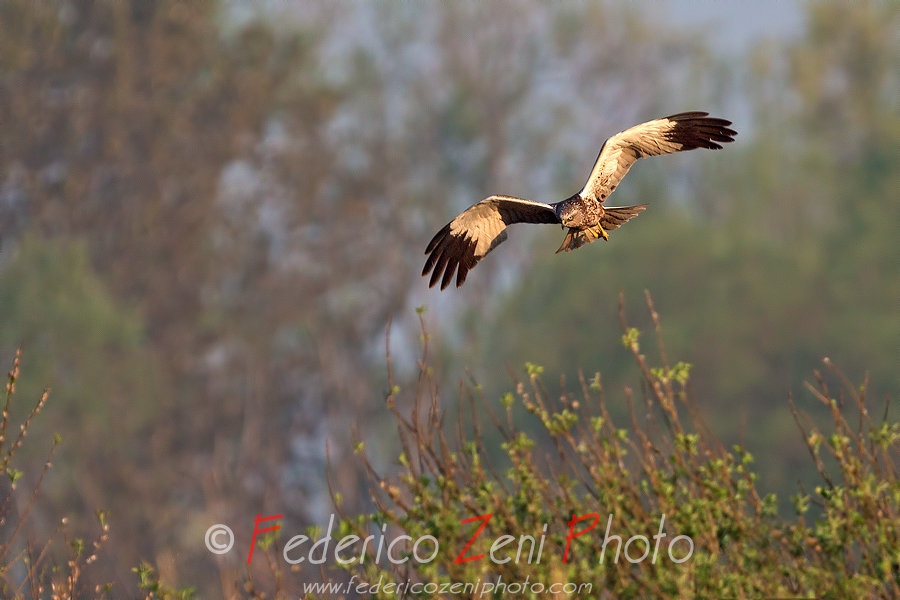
(479, 229)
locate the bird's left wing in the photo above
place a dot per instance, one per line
(677, 133)
(475, 232)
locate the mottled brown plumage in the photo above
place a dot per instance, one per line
(479, 229)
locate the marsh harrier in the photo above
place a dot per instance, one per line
(479, 229)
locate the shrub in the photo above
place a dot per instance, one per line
(627, 476)
(516, 522)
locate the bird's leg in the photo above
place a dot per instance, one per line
(597, 231)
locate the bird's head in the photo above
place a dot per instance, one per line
(569, 214)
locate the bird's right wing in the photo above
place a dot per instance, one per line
(677, 133)
(475, 232)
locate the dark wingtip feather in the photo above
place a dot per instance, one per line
(696, 130)
(461, 276)
(432, 258)
(429, 263)
(691, 114)
(450, 271)
(437, 238)
(467, 262)
(434, 276)
(438, 255)
(450, 254)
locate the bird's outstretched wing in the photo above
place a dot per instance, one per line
(476, 231)
(677, 133)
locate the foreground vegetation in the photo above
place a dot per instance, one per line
(842, 542)
(661, 473)
(50, 568)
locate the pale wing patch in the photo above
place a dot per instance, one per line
(681, 132)
(475, 232)
(488, 234)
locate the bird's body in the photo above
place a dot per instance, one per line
(479, 229)
(578, 211)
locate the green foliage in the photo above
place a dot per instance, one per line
(150, 584)
(665, 463)
(630, 339)
(533, 369)
(13, 476)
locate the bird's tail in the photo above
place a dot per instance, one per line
(612, 218)
(576, 238)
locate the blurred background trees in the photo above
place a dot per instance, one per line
(208, 213)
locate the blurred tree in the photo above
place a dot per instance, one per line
(76, 336)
